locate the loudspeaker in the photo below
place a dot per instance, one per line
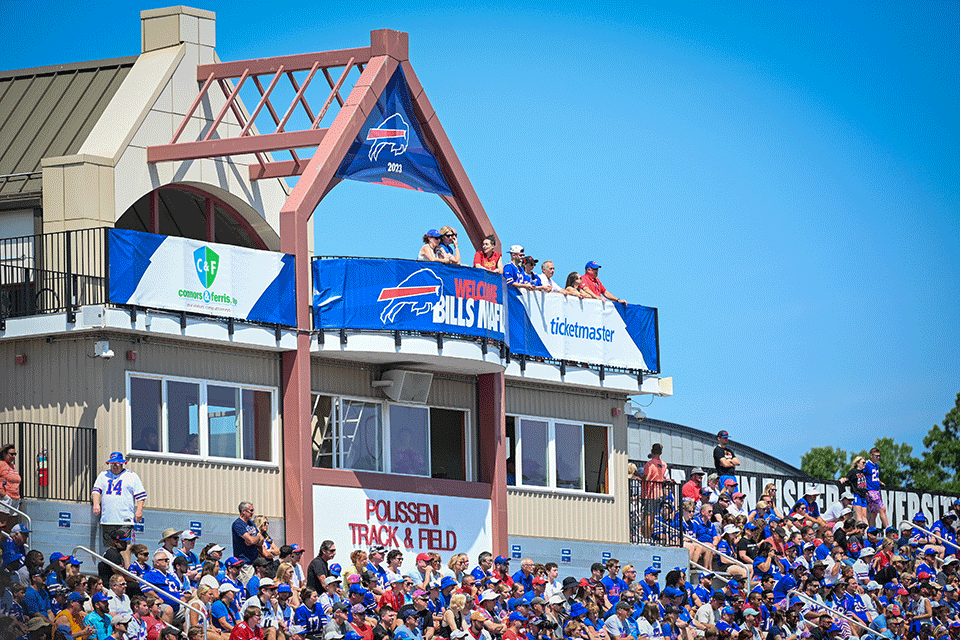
(406, 386)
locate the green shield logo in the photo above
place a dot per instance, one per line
(207, 262)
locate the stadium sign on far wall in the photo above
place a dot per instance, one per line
(902, 504)
(180, 274)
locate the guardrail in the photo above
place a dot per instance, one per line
(831, 611)
(928, 532)
(56, 462)
(746, 567)
(53, 273)
(22, 515)
(201, 614)
(654, 518)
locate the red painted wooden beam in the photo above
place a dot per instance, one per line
(235, 146)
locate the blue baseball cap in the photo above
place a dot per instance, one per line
(516, 615)
(728, 610)
(577, 610)
(680, 569)
(72, 560)
(284, 588)
(501, 560)
(56, 555)
(76, 597)
(447, 581)
(433, 233)
(10, 558)
(296, 548)
(100, 596)
(356, 588)
(116, 458)
(794, 600)
(591, 265)
(919, 518)
(650, 570)
(335, 569)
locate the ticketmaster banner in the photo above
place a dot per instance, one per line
(551, 325)
(409, 296)
(179, 274)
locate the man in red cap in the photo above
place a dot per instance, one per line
(423, 574)
(590, 280)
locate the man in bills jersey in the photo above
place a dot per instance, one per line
(118, 498)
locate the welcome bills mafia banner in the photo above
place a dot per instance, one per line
(408, 295)
(558, 327)
(389, 148)
(179, 274)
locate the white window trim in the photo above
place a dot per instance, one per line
(551, 456)
(202, 425)
(468, 439)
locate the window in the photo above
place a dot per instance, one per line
(391, 438)
(199, 418)
(557, 454)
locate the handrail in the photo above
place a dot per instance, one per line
(834, 612)
(745, 566)
(200, 612)
(928, 532)
(29, 520)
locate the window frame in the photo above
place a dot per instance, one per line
(552, 456)
(203, 427)
(470, 462)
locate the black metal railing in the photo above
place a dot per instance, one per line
(53, 272)
(56, 462)
(654, 515)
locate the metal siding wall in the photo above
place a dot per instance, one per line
(572, 516)
(63, 384)
(680, 447)
(342, 378)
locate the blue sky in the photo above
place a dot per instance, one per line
(781, 180)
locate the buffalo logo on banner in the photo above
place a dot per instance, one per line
(420, 291)
(389, 148)
(206, 262)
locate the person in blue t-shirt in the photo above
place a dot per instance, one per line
(614, 585)
(513, 272)
(874, 500)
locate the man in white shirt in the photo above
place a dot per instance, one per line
(118, 498)
(838, 509)
(707, 613)
(546, 278)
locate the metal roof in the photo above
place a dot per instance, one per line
(711, 440)
(47, 112)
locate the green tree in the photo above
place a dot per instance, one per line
(939, 468)
(824, 463)
(896, 462)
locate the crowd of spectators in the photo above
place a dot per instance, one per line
(812, 572)
(809, 574)
(441, 246)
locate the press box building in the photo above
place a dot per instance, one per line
(445, 439)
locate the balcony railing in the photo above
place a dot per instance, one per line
(654, 515)
(53, 272)
(55, 462)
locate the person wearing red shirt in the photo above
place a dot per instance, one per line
(591, 281)
(651, 488)
(691, 488)
(395, 595)
(250, 628)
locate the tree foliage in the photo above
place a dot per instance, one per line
(824, 463)
(939, 468)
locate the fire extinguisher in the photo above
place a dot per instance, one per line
(42, 467)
